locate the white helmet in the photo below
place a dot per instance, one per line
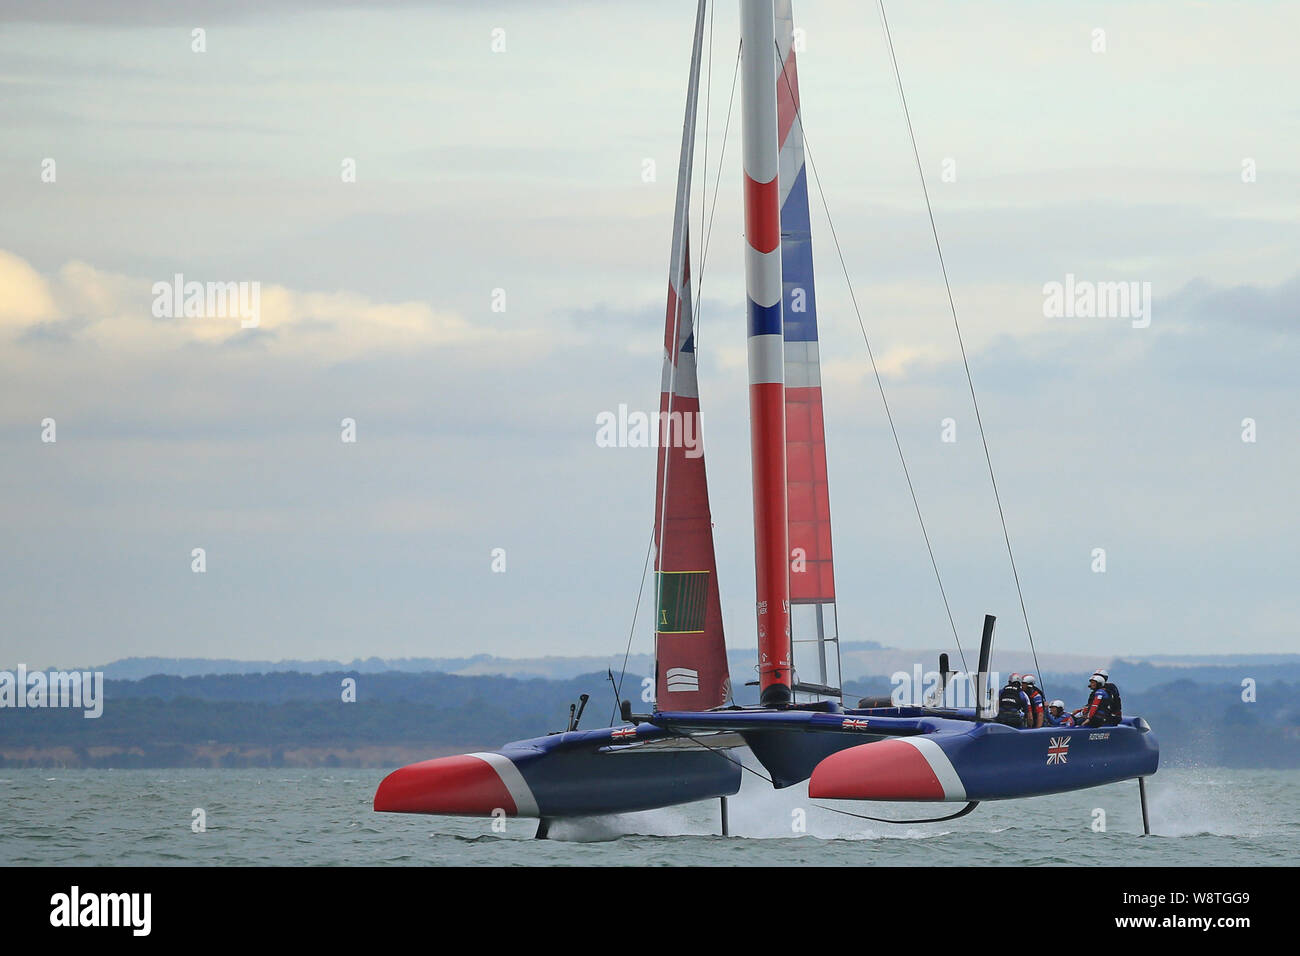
(1057, 703)
(1100, 677)
(1014, 678)
(1029, 679)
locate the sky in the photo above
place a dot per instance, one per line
(501, 152)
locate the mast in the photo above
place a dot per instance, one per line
(690, 648)
(766, 350)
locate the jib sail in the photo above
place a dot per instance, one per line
(815, 634)
(691, 652)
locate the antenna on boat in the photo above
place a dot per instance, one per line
(939, 694)
(580, 706)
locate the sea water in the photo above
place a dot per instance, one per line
(1199, 817)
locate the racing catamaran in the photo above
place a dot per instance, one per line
(685, 749)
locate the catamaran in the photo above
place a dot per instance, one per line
(688, 747)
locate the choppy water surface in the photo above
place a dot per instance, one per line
(1200, 817)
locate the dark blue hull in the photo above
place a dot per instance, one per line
(960, 761)
(582, 773)
(909, 753)
(999, 763)
(579, 781)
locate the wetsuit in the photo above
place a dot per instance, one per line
(1065, 720)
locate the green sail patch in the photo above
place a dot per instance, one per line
(683, 599)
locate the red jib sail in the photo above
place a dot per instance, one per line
(691, 653)
(812, 573)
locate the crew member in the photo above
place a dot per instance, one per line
(1103, 707)
(1056, 715)
(1029, 685)
(1013, 705)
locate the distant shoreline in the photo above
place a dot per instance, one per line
(860, 660)
(1236, 719)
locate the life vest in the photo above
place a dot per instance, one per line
(1011, 706)
(1111, 708)
(1108, 712)
(1036, 707)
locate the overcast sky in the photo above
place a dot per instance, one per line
(522, 170)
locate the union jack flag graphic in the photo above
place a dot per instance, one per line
(621, 732)
(1058, 750)
(853, 723)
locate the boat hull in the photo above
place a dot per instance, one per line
(563, 775)
(988, 762)
(895, 754)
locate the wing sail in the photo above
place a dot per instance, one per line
(812, 571)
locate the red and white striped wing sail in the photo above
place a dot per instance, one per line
(812, 580)
(758, 121)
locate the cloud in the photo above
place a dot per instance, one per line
(178, 433)
(116, 313)
(154, 13)
(25, 296)
(1273, 309)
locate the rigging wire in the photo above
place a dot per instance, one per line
(721, 753)
(880, 386)
(988, 458)
(708, 101)
(717, 184)
(618, 688)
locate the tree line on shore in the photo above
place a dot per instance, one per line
(166, 721)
